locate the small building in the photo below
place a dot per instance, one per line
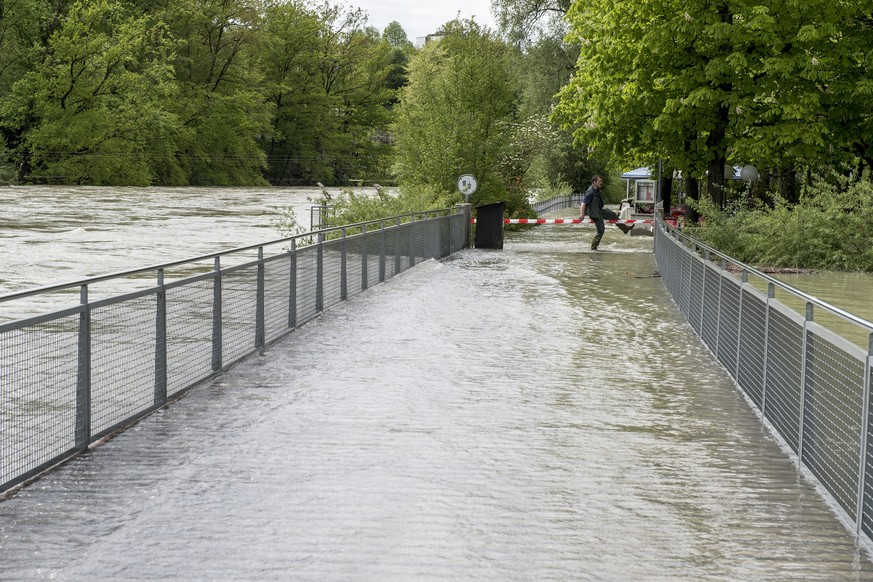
(641, 191)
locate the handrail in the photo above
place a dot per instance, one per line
(151, 268)
(781, 284)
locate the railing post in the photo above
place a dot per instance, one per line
(216, 316)
(292, 286)
(771, 293)
(365, 244)
(397, 248)
(382, 251)
(260, 332)
(412, 235)
(865, 434)
(803, 372)
(702, 288)
(161, 343)
(467, 211)
(83, 373)
(344, 281)
(319, 274)
(721, 276)
(744, 280)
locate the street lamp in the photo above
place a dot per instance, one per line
(749, 173)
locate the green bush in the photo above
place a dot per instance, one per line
(829, 229)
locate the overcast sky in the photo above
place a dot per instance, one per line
(423, 17)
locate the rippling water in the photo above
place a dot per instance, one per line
(51, 235)
(536, 413)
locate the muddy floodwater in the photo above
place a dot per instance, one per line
(536, 413)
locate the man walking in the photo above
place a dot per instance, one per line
(592, 203)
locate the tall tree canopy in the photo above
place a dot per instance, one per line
(192, 92)
(699, 83)
(456, 112)
(327, 80)
(396, 36)
(91, 110)
(525, 21)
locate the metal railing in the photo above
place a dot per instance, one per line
(805, 364)
(73, 375)
(558, 203)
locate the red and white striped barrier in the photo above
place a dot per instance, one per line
(566, 221)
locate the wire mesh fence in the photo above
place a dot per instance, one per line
(558, 203)
(71, 377)
(810, 383)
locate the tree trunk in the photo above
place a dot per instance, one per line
(789, 189)
(715, 141)
(715, 145)
(692, 191)
(761, 189)
(666, 189)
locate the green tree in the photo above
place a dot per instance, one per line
(353, 65)
(25, 28)
(220, 102)
(698, 83)
(456, 114)
(852, 117)
(545, 66)
(527, 21)
(396, 36)
(326, 77)
(22, 25)
(401, 50)
(97, 100)
(298, 106)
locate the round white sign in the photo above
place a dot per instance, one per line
(467, 184)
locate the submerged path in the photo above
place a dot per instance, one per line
(536, 413)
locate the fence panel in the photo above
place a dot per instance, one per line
(833, 411)
(122, 361)
(729, 321)
(698, 268)
(38, 380)
(866, 521)
(332, 274)
(189, 334)
(356, 247)
(784, 380)
(238, 310)
(811, 385)
(750, 368)
(710, 305)
(69, 377)
(277, 287)
(307, 259)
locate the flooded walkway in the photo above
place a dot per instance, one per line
(536, 413)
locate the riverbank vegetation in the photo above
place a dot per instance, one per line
(783, 89)
(830, 228)
(208, 92)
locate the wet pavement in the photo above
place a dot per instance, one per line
(536, 413)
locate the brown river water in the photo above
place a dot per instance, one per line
(498, 415)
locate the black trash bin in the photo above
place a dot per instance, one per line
(489, 226)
